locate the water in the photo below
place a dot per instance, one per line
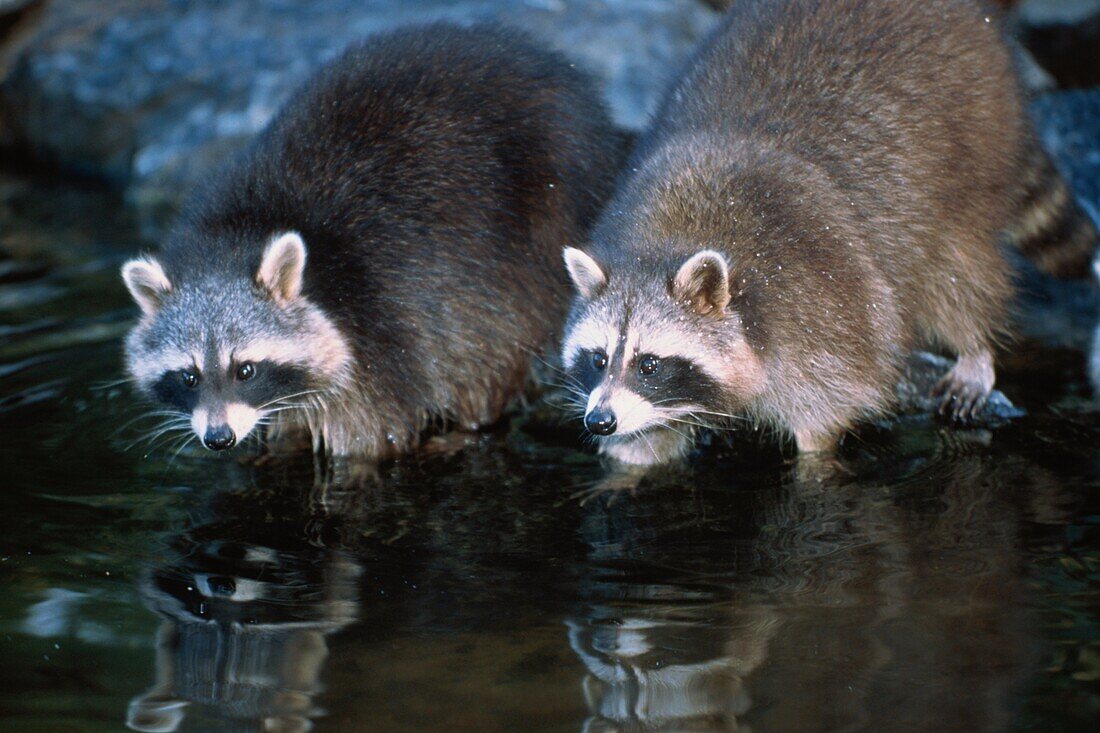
(951, 581)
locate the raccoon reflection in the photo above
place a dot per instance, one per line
(243, 640)
(659, 669)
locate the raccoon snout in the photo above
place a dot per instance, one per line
(600, 422)
(219, 438)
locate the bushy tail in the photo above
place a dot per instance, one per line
(1051, 228)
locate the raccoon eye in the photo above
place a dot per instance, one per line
(246, 371)
(599, 360)
(649, 365)
(189, 378)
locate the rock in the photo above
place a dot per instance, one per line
(11, 7)
(1064, 37)
(1094, 356)
(1037, 13)
(151, 93)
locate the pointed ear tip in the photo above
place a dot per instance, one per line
(572, 254)
(135, 264)
(290, 238)
(144, 270)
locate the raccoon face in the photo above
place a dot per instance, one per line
(644, 351)
(229, 354)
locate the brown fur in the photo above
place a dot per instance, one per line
(855, 161)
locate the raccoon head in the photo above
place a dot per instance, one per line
(656, 347)
(228, 353)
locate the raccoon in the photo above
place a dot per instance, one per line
(384, 258)
(821, 192)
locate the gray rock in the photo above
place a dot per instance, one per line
(1094, 353)
(1064, 37)
(151, 93)
(1050, 12)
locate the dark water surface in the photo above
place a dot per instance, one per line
(950, 582)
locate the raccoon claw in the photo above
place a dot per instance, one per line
(961, 401)
(965, 389)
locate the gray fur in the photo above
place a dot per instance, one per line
(433, 175)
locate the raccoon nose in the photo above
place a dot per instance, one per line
(600, 422)
(219, 438)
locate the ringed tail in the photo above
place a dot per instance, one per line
(1052, 229)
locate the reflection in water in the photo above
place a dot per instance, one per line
(247, 606)
(944, 585)
(754, 596)
(667, 668)
(846, 605)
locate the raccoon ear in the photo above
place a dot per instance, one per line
(587, 276)
(702, 283)
(147, 283)
(282, 266)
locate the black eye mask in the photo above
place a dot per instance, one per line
(270, 381)
(172, 389)
(671, 380)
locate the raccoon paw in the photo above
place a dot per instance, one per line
(447, 444)
(964, 390)
(811, 442)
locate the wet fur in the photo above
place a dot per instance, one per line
(434, 175)
(855, 162)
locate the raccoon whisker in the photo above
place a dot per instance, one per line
(573, 387)
(579, 400)
(179, 450)
(284, 408)
(573, 383)
(159, 440)
(685, 417)
(552, 367)
(570, 379)
(739, 418)
(277, 400)
(111, 384)
(149, 416)
(179, 424)
(681, 433)
(172, 427)
(694, 423)
(576, 400)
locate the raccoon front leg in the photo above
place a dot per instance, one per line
(816, 441)
(286, 437)
(965, 389)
